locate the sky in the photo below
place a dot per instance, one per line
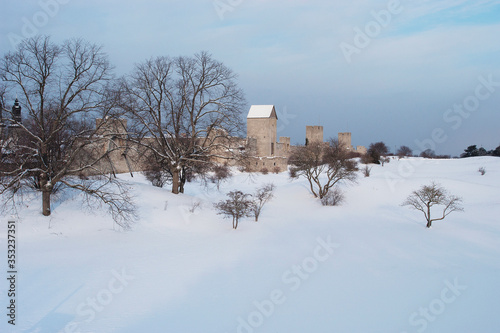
(424, 74)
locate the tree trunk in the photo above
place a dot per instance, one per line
(429, 221)
(45, 202)
(182, 180)
(175, 181)
(46, 191)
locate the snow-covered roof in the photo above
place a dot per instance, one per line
(262, 111)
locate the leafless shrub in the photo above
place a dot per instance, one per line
(482, 171)
(431, 195)
(158, 178)
(237, 206)
(367, 171)
(260, 198)
(264, 171)
(333, 198)
(194, 206)
(276, 170)
(221, 173)
(384, 160)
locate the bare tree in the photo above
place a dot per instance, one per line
(62, 89)
(187, 108)
(261, 197)
(318, 160)
(404, 151)
(237, 206)
(431, 195)
(428, 153)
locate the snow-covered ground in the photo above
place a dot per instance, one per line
(369, 265)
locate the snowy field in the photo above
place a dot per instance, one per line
(368, 265)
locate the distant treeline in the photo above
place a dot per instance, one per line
(472, 151)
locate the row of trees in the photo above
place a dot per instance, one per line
(473, 151)
(180, 110)
(379, 149)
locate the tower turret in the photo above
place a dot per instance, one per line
(16, 111)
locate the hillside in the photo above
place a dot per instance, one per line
(368, 265)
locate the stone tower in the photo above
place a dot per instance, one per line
(14, 128)
(16, 111)
(261, 129)
(314, 134)
(345, 140)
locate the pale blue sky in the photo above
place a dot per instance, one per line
(424, 58)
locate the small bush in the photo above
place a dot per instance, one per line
(194, 206)
(384, 160)
(237, 206)
(333, 198)
(264, 171)
(260, 198)
(482, 171)
(276, 169)
(366, 171)
(158, 178)
(221, 173)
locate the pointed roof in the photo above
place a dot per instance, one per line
(16, 111)
(262, 111)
